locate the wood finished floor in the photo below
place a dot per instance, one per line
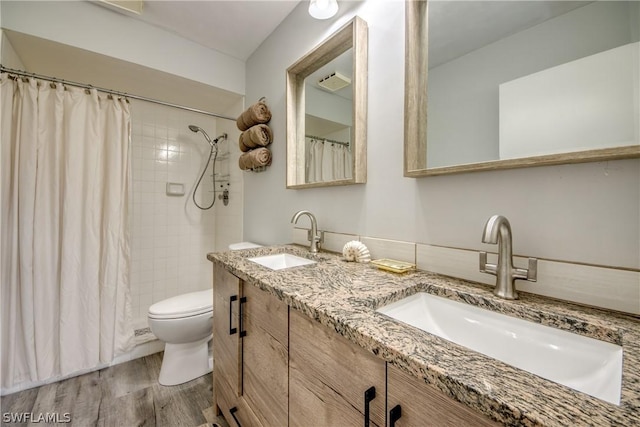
(125, 395)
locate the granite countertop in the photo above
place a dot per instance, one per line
(344, 296)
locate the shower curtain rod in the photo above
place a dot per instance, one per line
(333, 141)
(110, 91)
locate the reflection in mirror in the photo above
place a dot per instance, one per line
(328, 121)
(326, 111)
(525, 83)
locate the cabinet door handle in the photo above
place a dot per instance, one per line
(243, 333)
(394, 415)
(232, 298)
(369, 395)
(233, 411)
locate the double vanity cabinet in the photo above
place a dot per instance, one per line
(275, 366)
(315, 345)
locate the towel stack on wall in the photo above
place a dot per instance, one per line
(255, 136)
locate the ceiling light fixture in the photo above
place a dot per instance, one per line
(323, 9)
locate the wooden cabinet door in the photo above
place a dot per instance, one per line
(226, 341)
(265, 356)
(328, 377)
(250, 352)
(424, 405)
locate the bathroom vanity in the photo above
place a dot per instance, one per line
(306, 344)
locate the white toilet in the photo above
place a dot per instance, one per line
(185, 324)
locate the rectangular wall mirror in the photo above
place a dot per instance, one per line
(327, 111)
(506, 84)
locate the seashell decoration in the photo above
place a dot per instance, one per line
(356, 251)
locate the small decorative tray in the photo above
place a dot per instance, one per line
(393, 265)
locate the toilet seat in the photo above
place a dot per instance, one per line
(186, 305)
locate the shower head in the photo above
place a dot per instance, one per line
(197, 129)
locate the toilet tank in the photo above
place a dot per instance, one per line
(243, 245)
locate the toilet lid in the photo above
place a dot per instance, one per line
(184, 305)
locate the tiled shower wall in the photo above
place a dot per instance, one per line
(169, 236)
(229, 217)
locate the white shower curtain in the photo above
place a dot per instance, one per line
(65, 251)
(326, 161)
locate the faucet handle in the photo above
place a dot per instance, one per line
(530, 274)
(484, 266)
(318, 238)
(532, 271)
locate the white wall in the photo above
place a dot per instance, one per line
(584, 213)
(88, 26)
(328, 106)
(8, 54)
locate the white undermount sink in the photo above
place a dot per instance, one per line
(281, 261)
(585, 364)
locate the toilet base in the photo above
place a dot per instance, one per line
(184, 362)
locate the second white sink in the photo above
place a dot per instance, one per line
(584, 364)
(281, 261)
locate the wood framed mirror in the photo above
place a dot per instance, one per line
(327, 111)
(495, 85)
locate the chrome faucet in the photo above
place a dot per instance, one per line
(498, 230)
(312, 235)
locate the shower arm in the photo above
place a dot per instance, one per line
(197, 129)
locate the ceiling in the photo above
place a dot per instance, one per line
(455, 27)
(235, 28)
